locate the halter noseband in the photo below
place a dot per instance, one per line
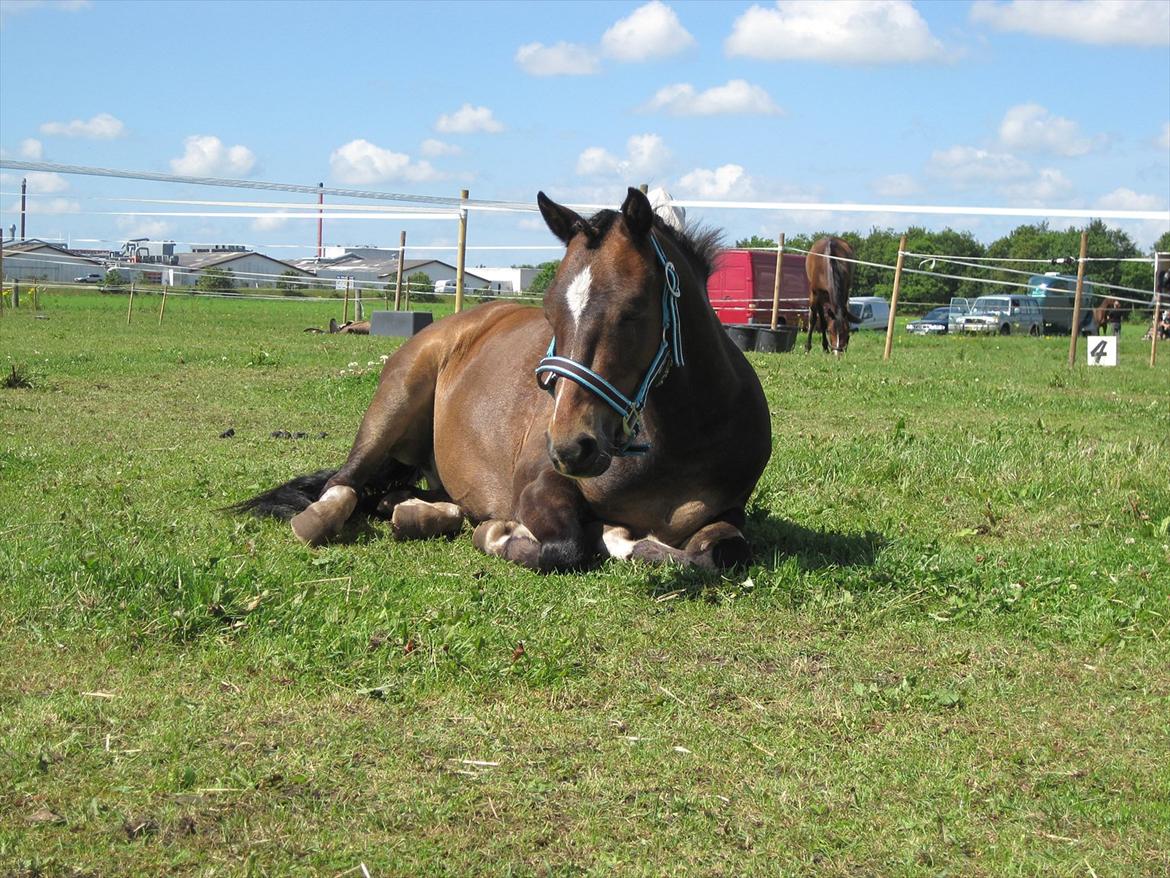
(669, 353)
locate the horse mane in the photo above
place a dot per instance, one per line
(699, 244)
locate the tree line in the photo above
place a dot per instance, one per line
(1029, 241)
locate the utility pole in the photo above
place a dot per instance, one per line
(23, 204)
(320, 218)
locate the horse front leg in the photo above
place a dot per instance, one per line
(549, 532)
(811, 323)
(396, 433)
(715, 546)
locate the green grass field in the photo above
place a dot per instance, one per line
(951, 656)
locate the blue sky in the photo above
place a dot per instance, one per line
(988, 103)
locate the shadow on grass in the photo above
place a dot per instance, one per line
(774, 540)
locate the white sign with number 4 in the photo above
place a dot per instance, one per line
(1102, 350)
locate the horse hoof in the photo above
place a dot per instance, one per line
(323, 519)
(419, 520)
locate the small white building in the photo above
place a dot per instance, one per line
(35, 260)
(247, 269)
(508, 280)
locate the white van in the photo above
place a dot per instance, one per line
(872, 312)
(1004, 315)
(446, 286)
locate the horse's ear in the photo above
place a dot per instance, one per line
(638, 214)
(561, 221)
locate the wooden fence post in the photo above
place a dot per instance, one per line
(345, 307)
(401, 260)
(779, 284)
(130, 307)
(1075, 334)
(1157, 311)
(358, 311)
(894, 298)
(163, 307)
(463, 193)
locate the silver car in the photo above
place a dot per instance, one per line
(1003, 315)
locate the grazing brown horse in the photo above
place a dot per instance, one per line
(829, 283)
(641, 434)
(1109, 311)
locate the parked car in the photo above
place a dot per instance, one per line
(936, 321)
(445, 286)
(960, 307)
(872, 312)
(88, 279)
(1004, 315)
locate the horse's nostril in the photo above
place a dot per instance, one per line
(575, 455)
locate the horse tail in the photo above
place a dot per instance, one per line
(840, 289)
(285, 501)
(830, 278)
(298, 494)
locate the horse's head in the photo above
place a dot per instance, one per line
(606, 309)
(838, 329)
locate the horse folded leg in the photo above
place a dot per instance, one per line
(616, 542)
(324, 518)
(509, 540)
(718, 546)
(417, 519)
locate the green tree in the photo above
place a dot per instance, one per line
(215, 280)
(540, 283)
(114, 280)
(421, 288)
(755, 242)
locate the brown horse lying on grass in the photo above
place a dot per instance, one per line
(829, 283)
(641, 435)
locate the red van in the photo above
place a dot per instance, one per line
(741, 286)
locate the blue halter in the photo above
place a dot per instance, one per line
(669, 353)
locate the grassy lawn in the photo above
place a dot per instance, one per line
(951, 657)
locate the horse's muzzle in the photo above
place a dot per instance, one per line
(579, 458)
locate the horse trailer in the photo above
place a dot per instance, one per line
(741, 286)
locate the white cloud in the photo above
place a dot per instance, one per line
(135, 227)
(646, 156)
(39, 182)
(12, 7)
(562, 59)
(896, 186)
(360, 161)
(433, 148)
(846, 31)
(31, 148)
(1049, 185)
(46, 206)
(737, 96)
(468, 120)
(269, 223)
(1100, 22)
(103, 126)
(205, 155)
(1031, 127)
(650, 31)
(726, 181)
(1127, 199)
(968, 164)
(1164, 138)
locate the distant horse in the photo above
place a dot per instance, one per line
(829, 283)
(1109, 311)
(619, 421)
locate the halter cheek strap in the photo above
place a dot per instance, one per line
(669, 353)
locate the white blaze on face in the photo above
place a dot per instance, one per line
(577, 296)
